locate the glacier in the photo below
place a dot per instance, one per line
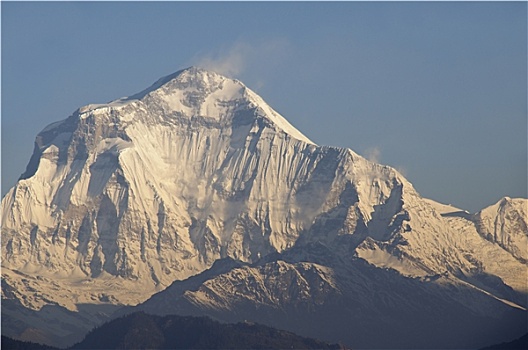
(124, 201)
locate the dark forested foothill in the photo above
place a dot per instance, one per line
(517, 344)
(12, 344)
(143, 331)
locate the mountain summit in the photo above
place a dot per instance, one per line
(122, 200)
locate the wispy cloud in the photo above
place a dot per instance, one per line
(373, 154)
(230, 62)
(241, 57)
(402, 170)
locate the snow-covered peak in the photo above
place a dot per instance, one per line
(184, 87)
(192, 79)
(196, 92)
(192, 76)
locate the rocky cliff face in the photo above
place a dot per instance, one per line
(122, 199)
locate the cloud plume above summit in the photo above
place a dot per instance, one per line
(241, 56)
(231, 61)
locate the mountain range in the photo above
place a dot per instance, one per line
(195, 197)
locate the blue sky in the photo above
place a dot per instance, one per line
(437, 90)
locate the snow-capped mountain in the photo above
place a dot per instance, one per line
(505, 223)
(122, 199)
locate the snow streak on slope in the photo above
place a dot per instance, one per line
(121, 199)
